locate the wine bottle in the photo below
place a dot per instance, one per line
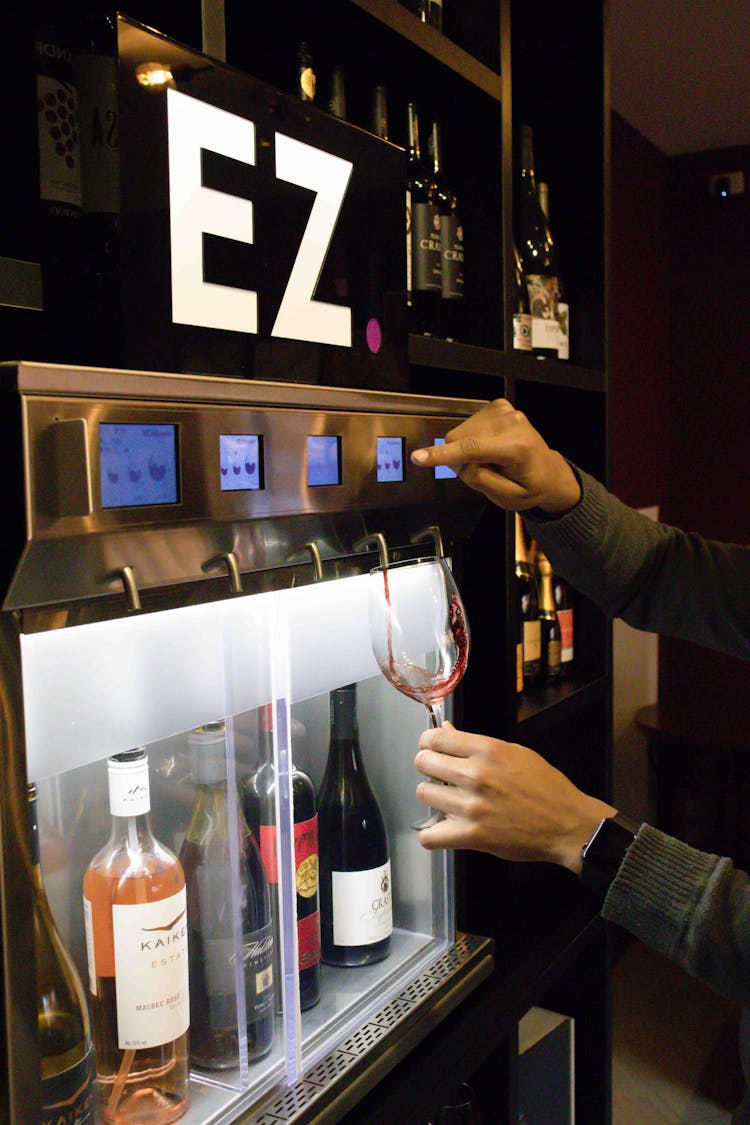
(528, 609)
(337, 94)
(521, 314)
(211, 890)
(379, 111)
(431, 12)
(306, 80)
(424, 264)
(551, 667)
(355, 870)
(537, 253)
(451, 245)
(66, 1047)
(259, 799)
(565, 615)
(134, 905)
(563, 308)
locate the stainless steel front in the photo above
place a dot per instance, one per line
(75, 548)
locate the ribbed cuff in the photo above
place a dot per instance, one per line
(657, 887)
(581, 521)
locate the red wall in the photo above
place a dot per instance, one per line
(680, 364)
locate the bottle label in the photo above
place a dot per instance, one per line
(426, 249)
(257, 952)
(553, 654)
(565, 618)
(543, 293)
(522, 332)
(59, 148)
(129, 793)
(532, 641)
(69, 1098)
(308, 940)
(100, 168)
(151, 970)
(362, 906)
(267, 844)
(452, 244)
(563, 323)
(306, 856)
(519, 668)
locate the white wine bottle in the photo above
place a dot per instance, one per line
(355, 868)
(537, 252)
(521, 314)
(66, 1047)
(563, 307)
(135, 910)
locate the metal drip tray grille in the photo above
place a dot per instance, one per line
(469, 960)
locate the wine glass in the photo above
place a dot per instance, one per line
(419, 633)
(464, 1110)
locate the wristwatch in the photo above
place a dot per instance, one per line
(602, 856)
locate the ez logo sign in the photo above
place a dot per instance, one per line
(195, 210)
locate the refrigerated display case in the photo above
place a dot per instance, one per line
(186, 550)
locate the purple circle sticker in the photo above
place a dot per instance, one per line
(374, 335)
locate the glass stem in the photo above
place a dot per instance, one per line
(436, 711)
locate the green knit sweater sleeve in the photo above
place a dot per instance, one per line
(652, 575)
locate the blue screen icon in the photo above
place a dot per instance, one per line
(442, 472)
(323, 460)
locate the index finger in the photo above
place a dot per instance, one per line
(447, 739)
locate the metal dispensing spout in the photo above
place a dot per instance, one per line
(315, 558)
(127, 577)
(430, 532)
(233, 569)
(378, 539)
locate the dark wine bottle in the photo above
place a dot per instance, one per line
(528, 609)
(337, 94)
(379, 111)
(423, 257)
(205, 857)
(259, 800)
(537, 253)
(521, 313)
(563, 308)
(66, 1046)
(565, 615)
(355, 868)
(306, 80)
(551, 666)
(451, 317)
(431, 12)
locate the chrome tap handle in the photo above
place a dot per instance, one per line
(378, 539)
(431, 532)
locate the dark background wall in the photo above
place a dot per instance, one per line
(680, 364)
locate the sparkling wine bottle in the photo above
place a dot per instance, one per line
(551, 666)
(424, 277)
(355, 868)
(136, 937)
(565, 615)
(66, 1048)
(206, 859)
(259, 800)
(537, 253)
(528, 609)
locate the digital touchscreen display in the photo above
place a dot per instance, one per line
(240, 462)
(138, 464)
(390, 462)
(323, 459)
(442, 472)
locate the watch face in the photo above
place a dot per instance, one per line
(605, 851)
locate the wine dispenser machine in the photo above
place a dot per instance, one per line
(185, 552)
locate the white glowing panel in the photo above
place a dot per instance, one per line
(95, 690)
(195, 210)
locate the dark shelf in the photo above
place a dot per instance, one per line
(546, 707)
(449, 355)
(559, 373)
(396, 17)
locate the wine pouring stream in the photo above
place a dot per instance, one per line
(418, 629)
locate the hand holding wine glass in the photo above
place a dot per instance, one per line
(419, 633)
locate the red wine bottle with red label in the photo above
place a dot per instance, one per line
(259, 799)
(355, 868)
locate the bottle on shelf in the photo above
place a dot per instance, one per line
(306, 81)
(423, 255)
(337, 94)
(259, 801)
(563, 308)
(527, 601)
(379, 111)
(66, 1047)
(566, 617)
(431, 12)
(135, 905)
(451, 245)
(355, 869)
(551, 667)
(537, 253)
(211, 894)
(521, 313)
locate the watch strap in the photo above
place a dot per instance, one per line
(602, 856)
